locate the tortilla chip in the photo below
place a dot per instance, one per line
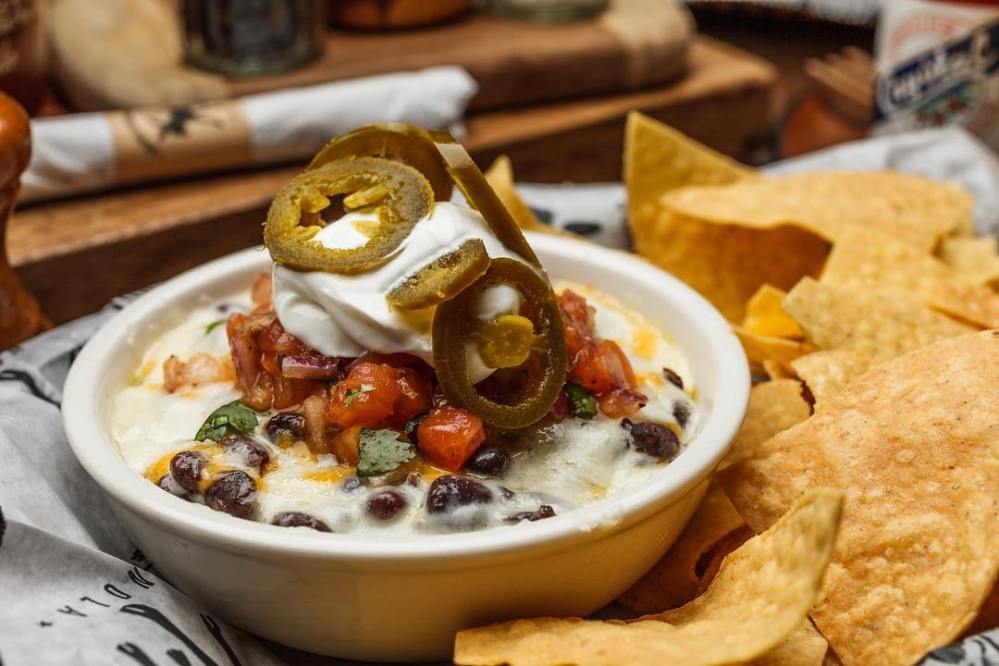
(805, 646)
(871, 259)
(910, 208)
(974, 259)
(761, 348)
(879, 325)
(761, 595)
(765, 316)
(827, 372)
(679, 576)
(914, 444)
(657, 159)
(777, 370)
(500, 178)
(725, 264)
(773, 406)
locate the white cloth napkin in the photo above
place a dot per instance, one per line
(76, 153)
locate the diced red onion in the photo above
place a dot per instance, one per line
(310, 367)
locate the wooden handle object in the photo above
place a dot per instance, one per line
(20, 316)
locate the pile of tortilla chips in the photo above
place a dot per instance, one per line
(870, 314)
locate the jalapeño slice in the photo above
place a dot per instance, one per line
(456, 326)
(395, 141)
(398, 194)
(443, 278)
(481, 196)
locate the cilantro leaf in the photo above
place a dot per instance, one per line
(381, 451)
(414, 423)
(231, 417)
(212, 326)
(352, 394)
(582, 402)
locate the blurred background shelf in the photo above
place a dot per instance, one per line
(136, 237)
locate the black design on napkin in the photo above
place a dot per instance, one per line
(28, 381)
(544, 216)
(153, 615)
(135, 652)
(216, 632)
(582, 227)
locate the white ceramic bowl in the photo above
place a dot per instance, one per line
(403, 598)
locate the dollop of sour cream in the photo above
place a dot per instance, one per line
(347, 314)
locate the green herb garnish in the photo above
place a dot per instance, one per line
(215, 324)
(381, 451)
(582, 402)
(232, 417)
(414, 423)
(353, 393)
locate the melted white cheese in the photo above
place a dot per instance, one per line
(572, 463)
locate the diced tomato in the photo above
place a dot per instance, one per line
(399, 360)
(260, 292)
(244, 350)
(290, 392)
(260, 395)
(257, 343)
(449, 436)
(621, 403)
(367, 397)
(603, 367)
(577, 322)
(415, 396)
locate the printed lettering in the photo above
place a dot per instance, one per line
(69, 610)
(116, 592)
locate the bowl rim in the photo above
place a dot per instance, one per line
(91, 442)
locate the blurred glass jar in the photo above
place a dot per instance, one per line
(246, 37)
(547, 11)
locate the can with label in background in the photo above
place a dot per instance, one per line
(938, 64)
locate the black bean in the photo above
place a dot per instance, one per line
(385, 504)
(250, 452)
(169, 484)
(488, 461)
(652, 439)
(350, 483)
(234, 493)
(449, 492)
(673, 378)
(543, 511)
(285, 425)
(681, 412)
(299, 519)
(187, 468)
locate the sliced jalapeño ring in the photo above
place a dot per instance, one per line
(456, 327)
(398, 194)
(443, 278)
(401, 142)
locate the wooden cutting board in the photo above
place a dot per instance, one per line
(76, 255)
(635, 44)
